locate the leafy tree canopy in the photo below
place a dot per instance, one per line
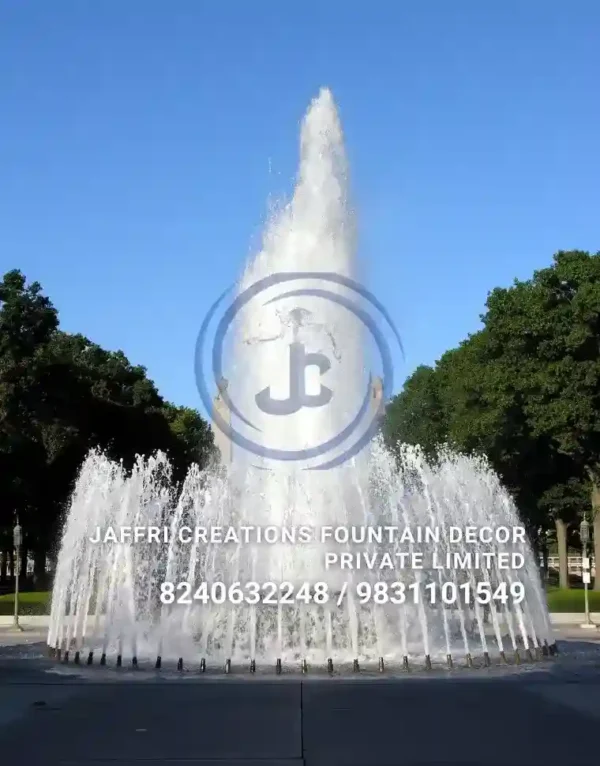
(524, 390)
(61, 395)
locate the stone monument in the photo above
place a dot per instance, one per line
(224, 444)
(222, 441)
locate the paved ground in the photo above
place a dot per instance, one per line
(548, 713)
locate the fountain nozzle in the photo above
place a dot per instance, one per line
(545, 650)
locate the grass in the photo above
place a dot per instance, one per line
(30, 603)
(571, 600)
(559, 600)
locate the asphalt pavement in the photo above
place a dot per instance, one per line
(543, 713)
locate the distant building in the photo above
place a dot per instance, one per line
(377, 388)
(222, 441)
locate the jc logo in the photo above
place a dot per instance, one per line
(298, 398)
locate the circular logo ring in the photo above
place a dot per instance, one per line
(217, 363)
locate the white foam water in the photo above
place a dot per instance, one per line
(106, 595)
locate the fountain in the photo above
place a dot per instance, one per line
(376, 570)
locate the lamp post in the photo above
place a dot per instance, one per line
(17, 540)
(584, 536)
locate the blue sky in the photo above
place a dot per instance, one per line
(140, 141)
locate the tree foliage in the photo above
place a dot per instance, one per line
(524, 390)
(61, 395)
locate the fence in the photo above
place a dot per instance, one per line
(574, 564)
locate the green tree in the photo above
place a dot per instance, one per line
(546, 332)
(194, 435)
(416, 415)
(61, 395)
(487, 396)
(27, 322)
(487, 413)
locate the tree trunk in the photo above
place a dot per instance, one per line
(3, 566)
(39, 568)
(596, 526)
(563, 562)
(544, 552)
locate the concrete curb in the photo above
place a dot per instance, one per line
(573, 618)
(38, 621)
(42, 622)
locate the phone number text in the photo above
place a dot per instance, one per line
(286, 593)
